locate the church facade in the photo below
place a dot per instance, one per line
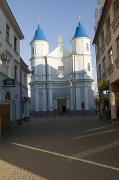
(61, 80)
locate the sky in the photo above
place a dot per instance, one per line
(56, 17)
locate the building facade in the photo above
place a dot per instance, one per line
(10, 62)
(106, 41)
(61, 80)
(24, 94)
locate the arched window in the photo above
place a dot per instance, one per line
(7, 96)
(88, 66)
(33, 52)
(61, 71)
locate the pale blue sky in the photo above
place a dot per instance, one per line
(57, 17)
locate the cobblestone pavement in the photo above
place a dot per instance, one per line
(61, 148)
(10, 172)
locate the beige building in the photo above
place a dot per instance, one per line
(106, 41)
(13, 71)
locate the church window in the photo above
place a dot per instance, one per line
(88, 66)
(61, 71)
(33, 52)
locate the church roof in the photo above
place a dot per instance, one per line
(59, 52)
(80, 31)
(39, 34)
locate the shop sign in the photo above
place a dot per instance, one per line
(9, 82)
(101, 83)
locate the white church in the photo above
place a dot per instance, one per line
(61, 80)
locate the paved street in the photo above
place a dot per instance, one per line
(61, 148)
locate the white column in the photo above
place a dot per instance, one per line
(71, 98)
(86, 99)
(36, 100)
(113, 106)
(44, 100)
(78, 99)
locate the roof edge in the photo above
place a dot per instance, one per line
(11, 18)
(100, 22)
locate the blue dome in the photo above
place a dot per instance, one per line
(80, 31)
(39, 34)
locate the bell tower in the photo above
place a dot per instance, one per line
(81, 69)
(39, 52)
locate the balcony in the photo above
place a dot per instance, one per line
(110, 69)
(108, 37)
(117, 62)
(115, 22)
(104, 75)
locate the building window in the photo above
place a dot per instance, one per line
(88, 66)
(116, 7)
(108, 27)
(99, 71)
(7, 33)
(102, 40)
(118, 46)
(33, 52)
(15, 44)
(97, 51)
(104, 65)
(110, 56)
(25, 79)
(87, 46)
(15, 72)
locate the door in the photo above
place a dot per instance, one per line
(5, 117)
(61, 106)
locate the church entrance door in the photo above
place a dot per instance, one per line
(61, 106)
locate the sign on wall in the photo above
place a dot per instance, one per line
(9, 82)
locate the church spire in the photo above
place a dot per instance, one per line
(39, 34)
(80, 31)
(59, 41)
